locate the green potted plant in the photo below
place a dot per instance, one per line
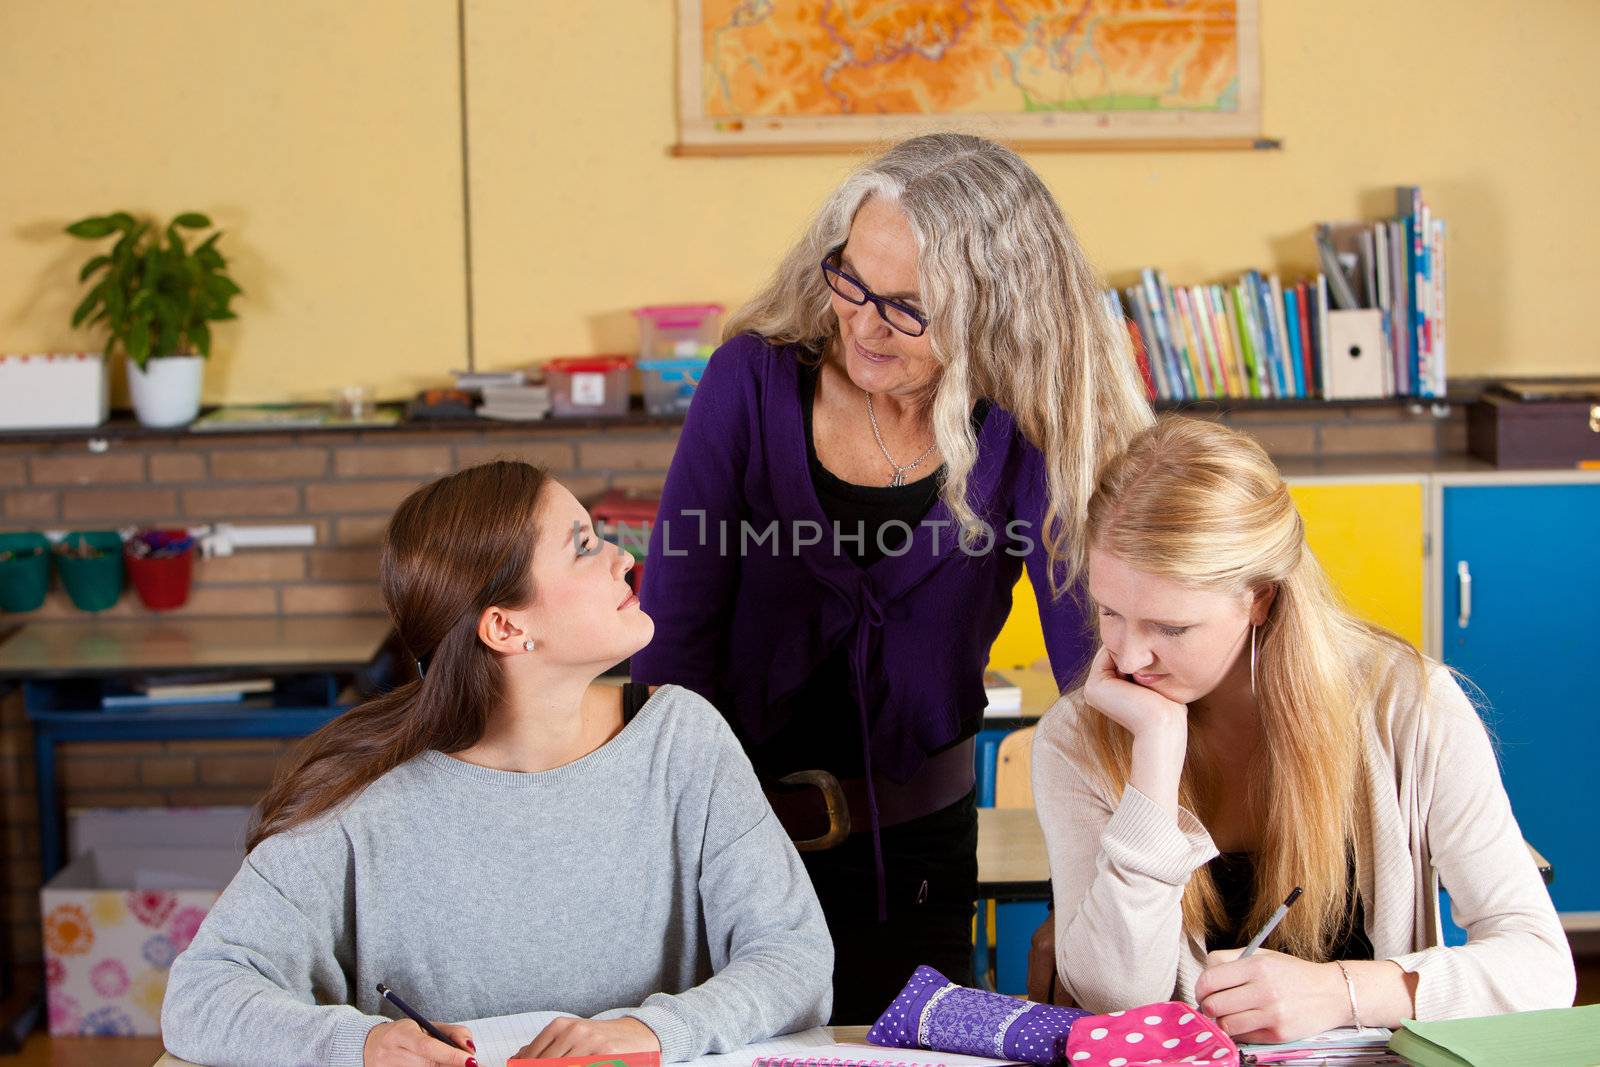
(156, 299)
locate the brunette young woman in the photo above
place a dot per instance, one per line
(502, 835)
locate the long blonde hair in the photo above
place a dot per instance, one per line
(1016, 315)
(1198, 503)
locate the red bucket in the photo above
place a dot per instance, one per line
(162, 577)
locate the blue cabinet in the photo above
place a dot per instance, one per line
(1520, 617)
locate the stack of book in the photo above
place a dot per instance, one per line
(515, 403)
(1250, 340)
(1263, 338)
(510, 395)
(1397, 267)
(199, 690)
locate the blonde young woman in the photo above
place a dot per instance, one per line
(932, 355)
(1241, 733)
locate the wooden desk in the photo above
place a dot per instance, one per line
(66, 667)
(1012, 864)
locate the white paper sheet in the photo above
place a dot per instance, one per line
(500, 1037)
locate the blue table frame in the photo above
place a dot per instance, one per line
(65, 668)
(53, 726)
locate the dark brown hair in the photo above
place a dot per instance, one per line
(454, 548)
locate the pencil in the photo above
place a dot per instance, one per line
(411, 1013)
(1272, 923)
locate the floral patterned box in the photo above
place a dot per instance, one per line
(116, 917)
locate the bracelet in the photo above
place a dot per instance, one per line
(1350, 987)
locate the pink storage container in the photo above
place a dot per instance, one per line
(678, 331)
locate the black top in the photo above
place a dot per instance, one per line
(1235, 872)
(865, 509)
(634, 694)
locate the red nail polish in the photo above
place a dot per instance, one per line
(471, 1046)
(472, 1062)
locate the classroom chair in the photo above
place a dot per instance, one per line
(1010, 786)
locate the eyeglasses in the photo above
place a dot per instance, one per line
(911, 323)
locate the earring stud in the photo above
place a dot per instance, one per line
(529, 645)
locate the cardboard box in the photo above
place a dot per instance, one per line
(132, 897)
(50, 390)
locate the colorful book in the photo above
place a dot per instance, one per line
(1302, 307)
(1187, 371)
(1176, 382)
(1280, 335)
(1291, 320)
(1555, 1037)
(1323, 357)
(1262, 331)
(1201, 296)
(1152, 342)
(1440, 384)
(1141, 358)
(1408, 201)
(1241, 311)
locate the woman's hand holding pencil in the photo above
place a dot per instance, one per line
(416, 1041)
(404, 1044)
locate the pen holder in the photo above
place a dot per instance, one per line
(90, 563)
(24, 571)
(162, 581)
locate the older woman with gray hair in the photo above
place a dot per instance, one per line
(915, 407)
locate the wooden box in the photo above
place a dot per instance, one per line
(1556, 427)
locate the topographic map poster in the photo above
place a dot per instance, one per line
(814, 75)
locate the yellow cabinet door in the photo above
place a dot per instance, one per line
(1367, 535)
(1369, 538)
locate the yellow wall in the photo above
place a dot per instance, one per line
(324, 137)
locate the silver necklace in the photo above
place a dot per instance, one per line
(899, 478)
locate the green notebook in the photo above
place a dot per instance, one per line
(1561, 1037)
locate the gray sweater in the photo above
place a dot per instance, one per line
(649, 878)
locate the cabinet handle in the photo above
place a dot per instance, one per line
(1464, 585)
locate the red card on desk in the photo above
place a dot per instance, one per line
(625, 1059)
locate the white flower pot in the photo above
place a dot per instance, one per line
(167, 391)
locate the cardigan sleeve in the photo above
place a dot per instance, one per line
(1118, 875)
(1517, 957)
(1068, 637)
(689, 582)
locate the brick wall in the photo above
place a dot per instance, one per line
(345, 485)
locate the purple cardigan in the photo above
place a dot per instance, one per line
(744, 628)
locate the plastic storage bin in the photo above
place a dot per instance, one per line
(161, 576)
(669, 384)
(94, 580)
(24, 571)
(677, 331)
(588, 385)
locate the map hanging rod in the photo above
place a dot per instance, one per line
(1155, 144)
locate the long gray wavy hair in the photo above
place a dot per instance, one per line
(1016, 315)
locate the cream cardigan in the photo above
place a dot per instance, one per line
(1435, 809)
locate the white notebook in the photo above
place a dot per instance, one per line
(499, 1038)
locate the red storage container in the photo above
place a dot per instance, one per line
(162, 581)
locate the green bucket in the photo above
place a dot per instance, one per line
(24, 571)
(93, 580)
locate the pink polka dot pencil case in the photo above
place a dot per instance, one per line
(1164, 1034)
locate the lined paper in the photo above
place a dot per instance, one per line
(499, 1038)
